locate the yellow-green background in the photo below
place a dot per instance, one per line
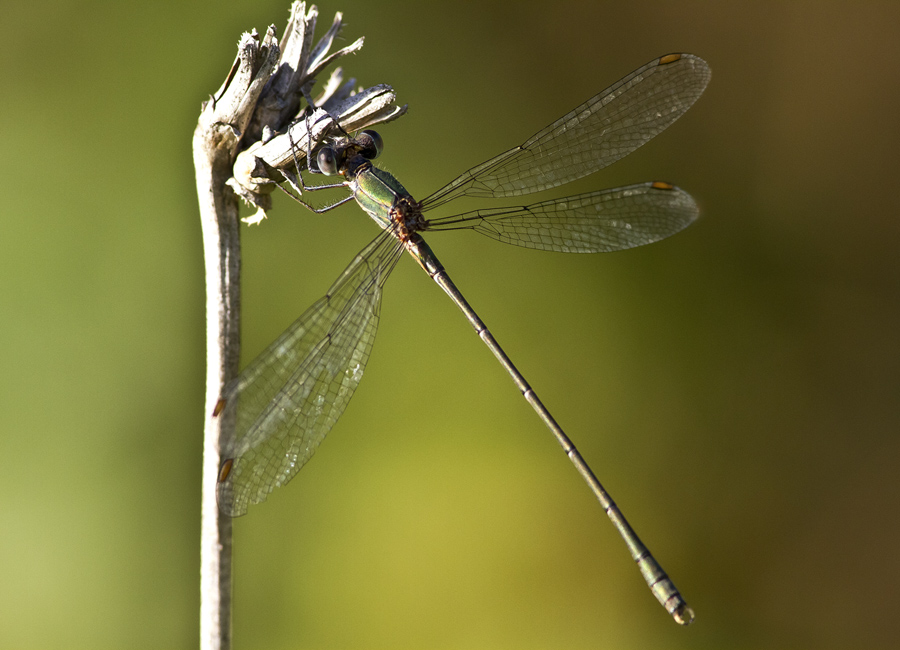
(735, 387)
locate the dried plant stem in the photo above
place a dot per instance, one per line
(249, 130)
(222, 252)
(221, 243)
(216, 138)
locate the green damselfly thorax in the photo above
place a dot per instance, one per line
(288, 398)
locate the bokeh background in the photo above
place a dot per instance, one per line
(735, 387)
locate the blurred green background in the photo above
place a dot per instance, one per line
(735, 387)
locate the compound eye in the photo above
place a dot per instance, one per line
(327, 161)
(371, 144)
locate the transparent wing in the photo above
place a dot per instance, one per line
(604, 129)
(289, 397)
(607, 220)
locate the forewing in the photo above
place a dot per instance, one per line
(607, 220)
(289, 397)
(604, 129)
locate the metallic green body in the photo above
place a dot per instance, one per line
(377, 192)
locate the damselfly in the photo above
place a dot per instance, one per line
(290, 396)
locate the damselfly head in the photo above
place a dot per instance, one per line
(332, 159)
